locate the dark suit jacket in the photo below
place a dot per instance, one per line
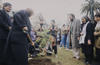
(17, 34)
(89, 33)
(5, 23)
(17, 41)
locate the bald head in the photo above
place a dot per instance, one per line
(29, 11)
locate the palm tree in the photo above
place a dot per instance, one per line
(87, 7)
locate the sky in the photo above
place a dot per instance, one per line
(50, 9)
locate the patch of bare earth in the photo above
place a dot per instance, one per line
(42, 61)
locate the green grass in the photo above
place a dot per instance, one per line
(66, 58)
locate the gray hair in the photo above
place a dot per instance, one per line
(6, 4)
(72, 15)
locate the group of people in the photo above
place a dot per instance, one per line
(16, 34)
(81, 34)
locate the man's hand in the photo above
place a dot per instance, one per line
(9, 28)
(96, 33)
(25, 28)
(89, 42)
(32, 43)
(78, 38)
(81, 34)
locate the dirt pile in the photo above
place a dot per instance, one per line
(44, 61)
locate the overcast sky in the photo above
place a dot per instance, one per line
(51, 9)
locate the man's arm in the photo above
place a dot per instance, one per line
(78, 26)
(97, 33)
(3, 23)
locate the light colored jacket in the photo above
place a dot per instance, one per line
(97, 41)
(75, 33)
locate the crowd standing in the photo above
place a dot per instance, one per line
(18, 38)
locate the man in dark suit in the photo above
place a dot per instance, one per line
(5, 26)
(18, 39)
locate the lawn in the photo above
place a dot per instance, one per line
(64, 57)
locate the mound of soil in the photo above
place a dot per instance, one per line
(42, 61)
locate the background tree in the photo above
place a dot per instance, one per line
(87, 7)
